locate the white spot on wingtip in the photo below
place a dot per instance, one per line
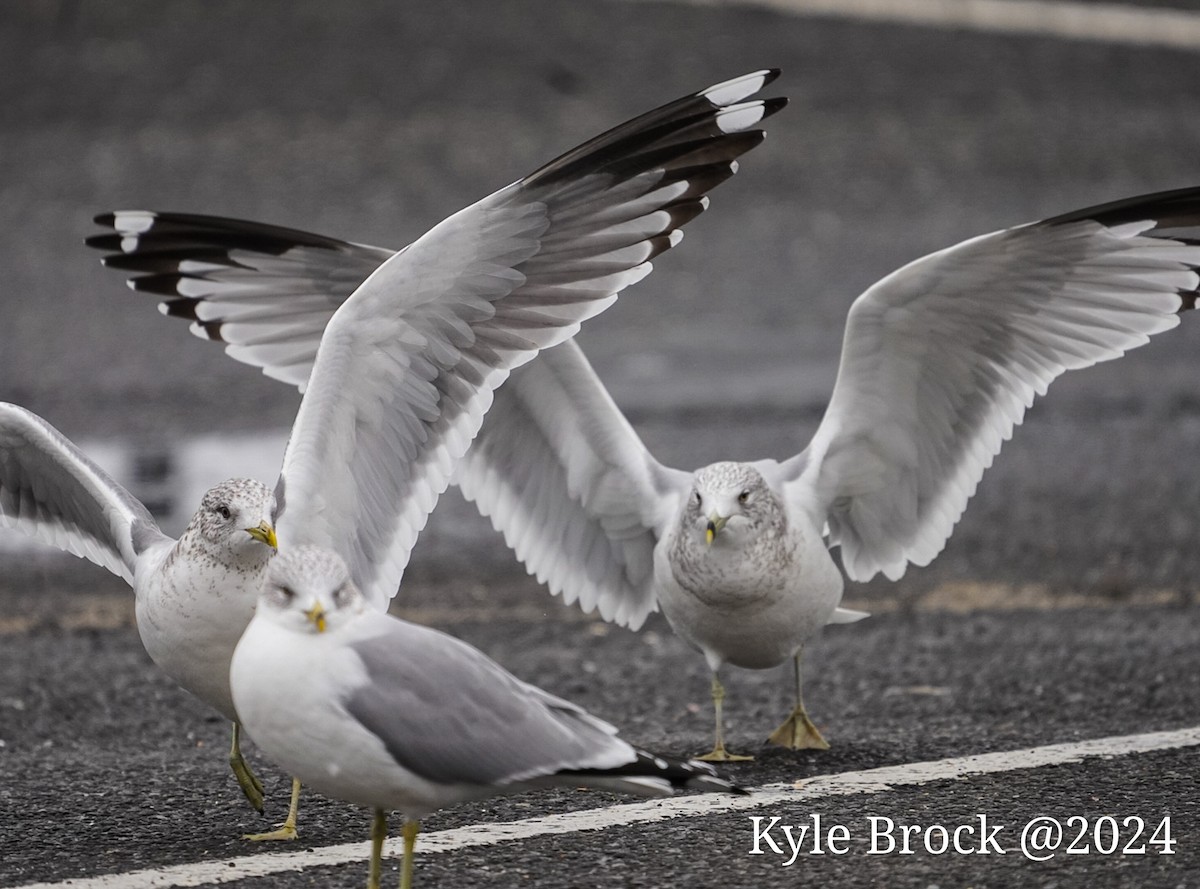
(129, 244)
(196, 267)
(740, 117)
(133, 222)
(675, 237)
(737, 89)
(704, 202)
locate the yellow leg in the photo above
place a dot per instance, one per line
(379, 831)
(246, 779)
(797, 731)
(410, 844)
(287, 830)
(719, 753)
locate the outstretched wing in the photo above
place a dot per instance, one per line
(265, 292)
(555, 466)
(577, 496)
(942, 358)
(51, 491)
(408, 364)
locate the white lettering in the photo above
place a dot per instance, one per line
(764, 834)
(879, 832)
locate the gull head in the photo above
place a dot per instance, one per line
(308, 589)
(730, 503)
(235, 522)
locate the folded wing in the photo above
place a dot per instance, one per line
(429, 697)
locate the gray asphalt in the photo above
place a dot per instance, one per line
(374, 121)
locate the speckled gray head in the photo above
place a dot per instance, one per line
(309, 588)
(236, 518)
(732, 500)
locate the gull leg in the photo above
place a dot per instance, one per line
(797, 731)
(719, 753)
(411, 827)
(379, 831)
(287, 830)
(246, 779)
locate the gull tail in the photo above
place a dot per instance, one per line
(846, 616)
(653, 775)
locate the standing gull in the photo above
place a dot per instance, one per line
(192, 596)
(394, 716)
(939, 363)
(407, 367)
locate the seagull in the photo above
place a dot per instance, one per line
(405, 371)
(940, 360)
(193, 596)
(390, 715)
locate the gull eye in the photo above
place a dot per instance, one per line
(341, 596)
(699, 500)
(744, 497)
(223, 512)
(284, 594)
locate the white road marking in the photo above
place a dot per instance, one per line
(845, 784)
(1106, 22)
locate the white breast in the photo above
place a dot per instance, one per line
(753, 605)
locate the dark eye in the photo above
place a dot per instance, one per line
(699, 499)
(744, 497)
(223, 512)
(285, 593)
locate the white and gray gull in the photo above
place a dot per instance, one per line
(940, 360)
(192, 597)
(390, 715)
(399, 386)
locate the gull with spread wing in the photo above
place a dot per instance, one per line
(192, 597)
(940, 361)
(405, 372)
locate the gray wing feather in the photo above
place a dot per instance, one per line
(411, 359)
(565, 478)
(555, 466)
(50, 490)
(264, 291)
(429, 696)
(408, 364)
(942, 358)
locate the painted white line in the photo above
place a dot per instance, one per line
(1107, 22)
(844, 784)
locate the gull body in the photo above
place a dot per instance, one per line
(397, 717)
(193, 596)
(751, 593)
(940, 360)
(400, 375)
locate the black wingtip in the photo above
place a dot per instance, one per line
(1178, 207)
(680, 774)
(774, 104)
(105, 241)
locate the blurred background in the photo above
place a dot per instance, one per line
(374, 120)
